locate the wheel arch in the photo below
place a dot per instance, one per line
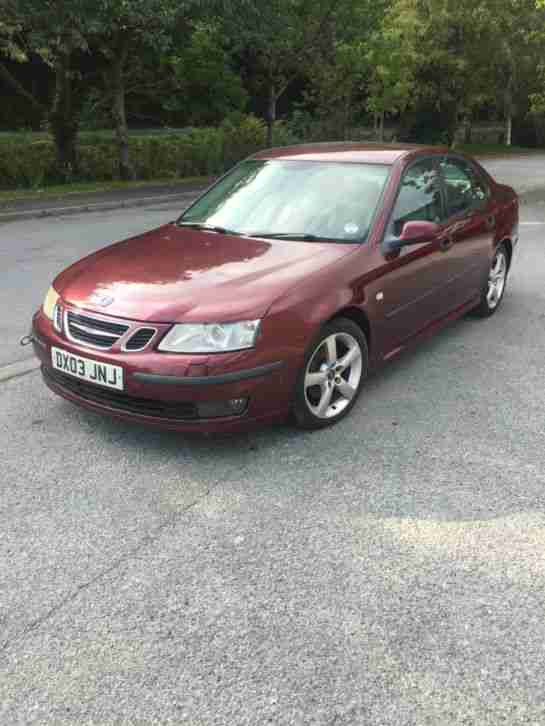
(359, 317)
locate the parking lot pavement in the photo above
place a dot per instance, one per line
(387, 571)
(33, 252)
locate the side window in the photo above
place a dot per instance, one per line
(465, 189)
(419, 197)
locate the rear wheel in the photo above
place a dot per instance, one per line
(332, 375)
(494, 289)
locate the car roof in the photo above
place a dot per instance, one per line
(354, 153)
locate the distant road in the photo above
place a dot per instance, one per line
(524, 173)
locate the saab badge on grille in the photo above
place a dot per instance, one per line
(102, 300)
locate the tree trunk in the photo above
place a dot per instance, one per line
(271, 114)
(119, 112)
(381, 127)
(509, 130)
(451, 127)
(346, 116)
(464, 130)
(509, 113)
(63, 119)
(508, 103)
(509, 93)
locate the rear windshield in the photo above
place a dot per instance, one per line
(326, 200)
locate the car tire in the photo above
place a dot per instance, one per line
(494, 288)
(331, 378)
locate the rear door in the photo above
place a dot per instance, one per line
(470, 227)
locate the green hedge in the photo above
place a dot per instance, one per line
(28, 163)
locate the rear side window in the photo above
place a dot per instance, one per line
(465, 189)
(419, 197)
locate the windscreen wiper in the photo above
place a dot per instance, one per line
(288, 235)
(207, 227)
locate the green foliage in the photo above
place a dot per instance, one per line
(204, 151)
(440, 44)
(205, 87)
(337, 89)
(340, 79)
(462, 57)
(26, 165)
(285, 135)
(283, 40)
(329, 66)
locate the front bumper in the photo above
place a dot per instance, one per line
(169, 391)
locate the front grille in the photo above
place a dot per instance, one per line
(140, 339)
(176, 410)
(94, 331)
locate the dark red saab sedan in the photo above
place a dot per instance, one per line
(280, 288)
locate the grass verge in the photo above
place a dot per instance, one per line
(496, 150)
(84, 188)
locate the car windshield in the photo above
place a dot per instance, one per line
(300, 199)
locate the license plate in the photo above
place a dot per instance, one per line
(103, 374)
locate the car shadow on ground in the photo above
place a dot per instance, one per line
(420, 443)
(266, 436)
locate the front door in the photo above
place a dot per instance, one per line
(413, 280)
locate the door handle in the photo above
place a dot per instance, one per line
(490, 221)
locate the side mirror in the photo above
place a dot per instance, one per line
(413, 233)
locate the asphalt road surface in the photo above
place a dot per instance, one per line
(387, 571)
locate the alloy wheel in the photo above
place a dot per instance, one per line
(496, 279)
(333, 375)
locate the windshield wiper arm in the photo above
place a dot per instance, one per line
(288, 235)
(207, 227)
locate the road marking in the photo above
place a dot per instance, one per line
(531, 224)
(13, 370)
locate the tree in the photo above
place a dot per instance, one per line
(340, 76)
(120, 31)
(337, 86)
(54, 30)
(511, 27)
(391, 78)
(446, 48)
(281, 39)
(204, 88)
(537, 37)
(11, 49)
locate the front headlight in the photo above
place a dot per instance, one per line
(50, 302)
(210, 337)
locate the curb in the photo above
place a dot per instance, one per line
(96, 207)
(21, 368)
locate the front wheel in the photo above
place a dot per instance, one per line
(332, 375)
(494, 289)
